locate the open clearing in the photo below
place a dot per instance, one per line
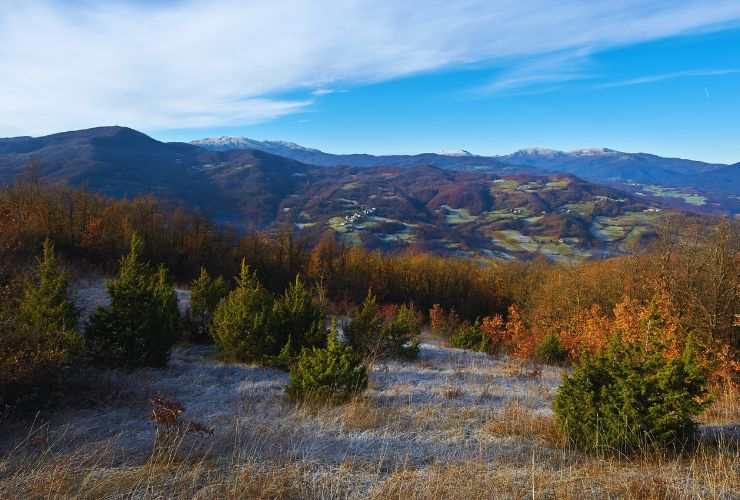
(452, 424)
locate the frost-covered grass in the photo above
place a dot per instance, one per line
(452, 424)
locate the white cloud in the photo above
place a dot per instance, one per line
(668, 76)
(198, 63)
(320, 92)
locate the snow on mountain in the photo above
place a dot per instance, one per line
(455, 152)
(224, 143)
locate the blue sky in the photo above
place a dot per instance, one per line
(383, 77)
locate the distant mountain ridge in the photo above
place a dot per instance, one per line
(634, 172)
(459, 159)
(463, 205)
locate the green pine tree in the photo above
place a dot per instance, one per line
(363, 329)
(142, 322)
(333, 374)
(242, 323)
(298, 319)
(373, 336)
(205, 295)
(47, 312)
(40, 341)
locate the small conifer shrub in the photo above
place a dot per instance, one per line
(470, 336)
(627, 398)
(38, 340)
(298, 319)
(142, 322)
(372, 335)
(205, 295)
(242, 326)
(333, 374)
(399, 337)
(551, 351)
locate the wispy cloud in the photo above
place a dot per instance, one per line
(320, 92)
(668, 76)
(198, 63)
(538, 74)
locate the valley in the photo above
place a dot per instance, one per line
(453, 204)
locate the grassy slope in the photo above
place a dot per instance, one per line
(453, 424)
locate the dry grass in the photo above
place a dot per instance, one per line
(454, 425)
(535, 472)
(361, 415)
(515, 419)
(725, 408)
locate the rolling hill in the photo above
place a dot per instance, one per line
(685, 184)
(496, 211)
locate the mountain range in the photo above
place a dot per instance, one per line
(449, 203)
(687, 184)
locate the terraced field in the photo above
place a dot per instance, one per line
(469, 214)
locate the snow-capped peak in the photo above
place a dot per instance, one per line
(226, 142)
(455, 152)
(537, 152)
(592, 152)
(290, 145)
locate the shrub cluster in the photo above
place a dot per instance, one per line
(392, 333)
(627, 398)
(470, 336)
(250, 325)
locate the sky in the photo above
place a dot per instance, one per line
(382, 76)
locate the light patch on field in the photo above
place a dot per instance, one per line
(585, 208)
(499, 215)
(515, 241)
(606, 232)
(406, 235)
(504, 185)
(347, 201)
(338, 224)
(687, 197)
(557, 184)
(456, 216)
(531, 187)
(628, 227)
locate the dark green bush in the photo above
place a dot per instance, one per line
(250, 326)
(626, 399)
(38, 336)
(399, 336)
(333, 374)
(242, 326)
(551, 351)
(142, 322)
(205, 295)
(470, 336)
(362, 331)
(298, 321)
(374, 335)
